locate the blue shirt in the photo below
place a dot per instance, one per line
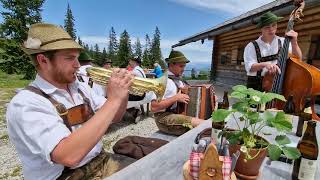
(157, 70)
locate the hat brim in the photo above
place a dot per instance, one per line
(268, 22)
(58, 45)
(177, 60)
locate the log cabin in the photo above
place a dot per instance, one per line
(230, 38)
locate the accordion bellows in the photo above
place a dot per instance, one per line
(202, 101)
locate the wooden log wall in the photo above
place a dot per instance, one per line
(230, 45)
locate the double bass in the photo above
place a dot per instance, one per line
(297, 78)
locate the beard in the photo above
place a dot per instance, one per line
(63, 77)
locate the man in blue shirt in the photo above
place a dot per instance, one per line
(157, 70)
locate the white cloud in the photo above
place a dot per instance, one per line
(235, 7)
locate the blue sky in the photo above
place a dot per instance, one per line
(176, 19)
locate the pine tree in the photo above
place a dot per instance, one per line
(138, 48)
(19, 15)
(96, 56)
(69, 23)
(86, 47)
(80, 41)
(113, 45)
(104, 56)
(124, 52)
(146, 53)
(156, 55)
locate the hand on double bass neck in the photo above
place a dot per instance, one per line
(273, 69)
(296, 51)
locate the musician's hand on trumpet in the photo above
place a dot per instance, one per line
(119, 83)
(184, 98)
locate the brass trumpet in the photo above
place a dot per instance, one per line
(140, 85)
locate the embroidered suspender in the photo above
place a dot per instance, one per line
(73, 116)
(266, 58)
(176, 82)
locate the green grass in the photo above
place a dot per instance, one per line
(8, 85)
(12, 81)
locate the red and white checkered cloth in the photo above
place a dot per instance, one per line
(226, 166)
(195, 165)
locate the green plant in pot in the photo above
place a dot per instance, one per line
(251, 126)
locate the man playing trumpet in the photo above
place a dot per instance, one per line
(50, 141)
(166, 118)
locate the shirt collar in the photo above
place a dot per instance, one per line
(47, 87)
(262, 42)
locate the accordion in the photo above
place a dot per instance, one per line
(202, 101)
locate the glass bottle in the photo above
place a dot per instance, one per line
(304, 116)
(305, 166)
(225, 101)
(289, 109)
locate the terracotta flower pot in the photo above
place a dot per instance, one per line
(248, 169)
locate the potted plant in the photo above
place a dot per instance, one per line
(250, 127)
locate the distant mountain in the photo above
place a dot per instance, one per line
(200, 66)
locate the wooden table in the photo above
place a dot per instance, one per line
(166, 162)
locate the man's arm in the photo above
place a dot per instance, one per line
(120, 112)
(72, 149)
(294, 43)
(165, 103)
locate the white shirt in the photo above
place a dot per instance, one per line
(35, 128)
(266, 49)
(171, 89)
(138, 71)
(97, 88)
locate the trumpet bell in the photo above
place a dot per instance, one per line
(140, 85)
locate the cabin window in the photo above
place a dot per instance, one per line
(224, 59)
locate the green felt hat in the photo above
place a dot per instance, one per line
(267, 19)
(176, 57)
(84, 57)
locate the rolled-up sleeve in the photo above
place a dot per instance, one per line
(36, 125)
(249, 57)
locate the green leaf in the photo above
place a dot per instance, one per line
(280, 122)
(220, 115)
(269, 117)
(274, 152)
(240, 106)
(253, 117)
(291, 152)
(238, 95)
(267, 97)
(239, 88)
(282, 140)
(234, 137)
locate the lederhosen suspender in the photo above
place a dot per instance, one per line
(70, 116)
(255, 82)
(176, 82)
(90, 81)
(141, 73)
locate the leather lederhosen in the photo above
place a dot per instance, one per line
(73, 116)
(255, 82)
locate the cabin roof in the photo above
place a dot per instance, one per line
(279, 7)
